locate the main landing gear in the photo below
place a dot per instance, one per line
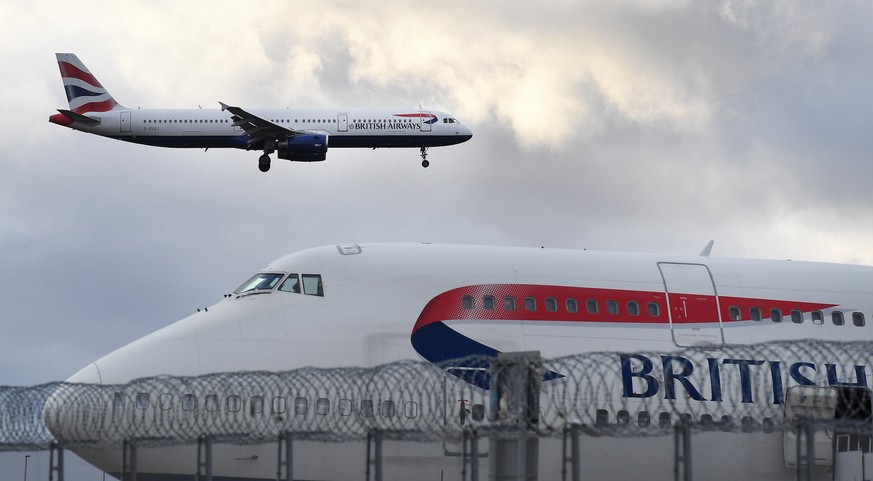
(264, 163)
(424, 162)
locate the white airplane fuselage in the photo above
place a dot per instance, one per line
(213, 128)
(365, 305)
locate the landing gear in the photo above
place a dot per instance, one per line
(424, 162)
(264, 163)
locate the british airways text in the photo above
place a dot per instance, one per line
(641, 379)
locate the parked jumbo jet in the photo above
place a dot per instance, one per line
(367, 304)
(301, 135)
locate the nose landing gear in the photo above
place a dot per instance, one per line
(424, 162)
(264, 163)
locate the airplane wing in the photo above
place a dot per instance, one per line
(259, 129)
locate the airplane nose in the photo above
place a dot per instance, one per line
(465, 133)
(73, 411)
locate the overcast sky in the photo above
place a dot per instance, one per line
(647, 126)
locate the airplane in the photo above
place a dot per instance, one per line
(369, 304)
(297, 135)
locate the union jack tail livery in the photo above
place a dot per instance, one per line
(84, 92)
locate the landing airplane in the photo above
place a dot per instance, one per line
(298, 135)
(367, 304)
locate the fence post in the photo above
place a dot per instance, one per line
(474, 455)
(573, 458)
(810, 449)
(59, 459)
(682, 451)
(128, 460)
(204, 458)
(286, 441)
(515, 391)
(374, 440)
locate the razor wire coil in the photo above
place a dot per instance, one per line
(733, 388)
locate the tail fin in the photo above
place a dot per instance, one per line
(84, 92)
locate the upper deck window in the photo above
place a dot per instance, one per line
(262, 281)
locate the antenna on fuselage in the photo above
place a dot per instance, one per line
(708, 249)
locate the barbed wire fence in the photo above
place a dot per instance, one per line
(761, 387)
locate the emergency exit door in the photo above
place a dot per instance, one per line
(692, 304)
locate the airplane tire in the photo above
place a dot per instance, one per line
(264, 163)
(425, 163)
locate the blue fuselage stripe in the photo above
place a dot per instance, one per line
(334, 141)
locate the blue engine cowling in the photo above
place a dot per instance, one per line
(303, 148)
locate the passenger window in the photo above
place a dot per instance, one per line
(278, 405)
(643, 419)
(591, 306)
(345, 407)
(623, 417)
(367, 408)
(166, 400)
(858, 319)
(301, 405)
(467, 302)
(256, 405)
(322, 406)
(654, 309)
(312, 285)
(633, 308)
(234, 403)
(410, 409)
(748, 424)
(837, 318)
(735, 313)
(601, 417)
(612, 307)
(551, 304)
(388, 409)
(817, 318)
(775, 315)
(796, 316)
(211, 403)
(142, 401)
(488, 302)
(664, 420)
(291, 284)
(756, 314)
(530, 303)
(118, 401)
(572, 305)
(509, 303)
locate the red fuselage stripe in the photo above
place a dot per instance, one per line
(551, 305)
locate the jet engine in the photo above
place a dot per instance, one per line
(303, 148)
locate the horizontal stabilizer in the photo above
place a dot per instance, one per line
(84, 119)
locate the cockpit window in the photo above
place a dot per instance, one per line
(312, 285)
(291, 284)
(262, 281)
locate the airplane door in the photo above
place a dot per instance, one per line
(342, 123)
(692, 304)
(425, 119)
(125, 121)
(464, 407)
